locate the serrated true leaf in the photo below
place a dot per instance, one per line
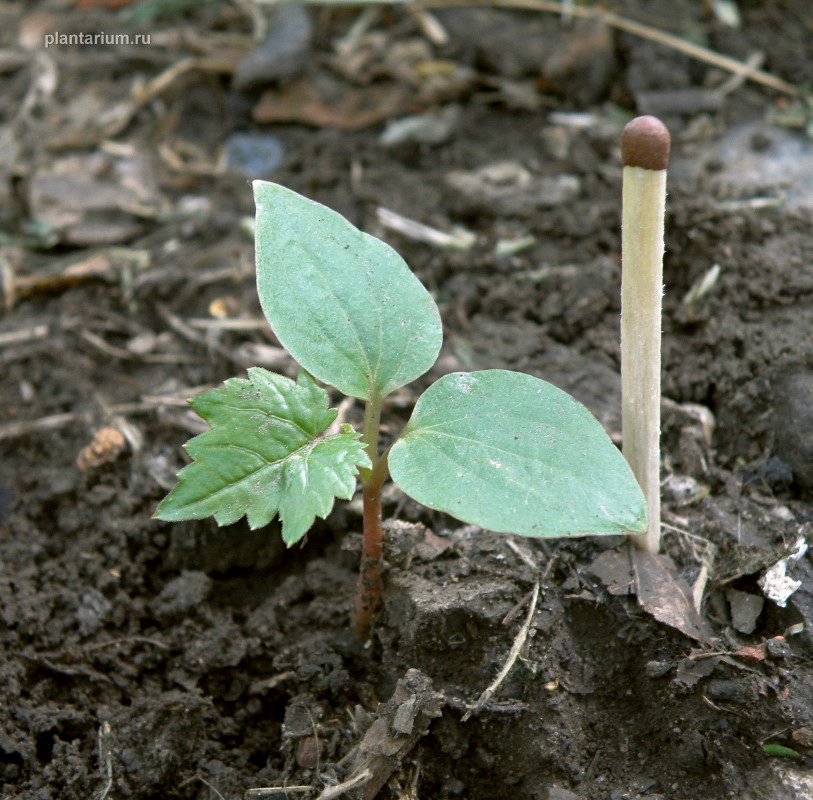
(344, 304)
(512, 453)
(266, 454)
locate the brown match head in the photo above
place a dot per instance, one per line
(645, 143)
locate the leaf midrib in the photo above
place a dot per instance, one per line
(266, 465)
(306, 433)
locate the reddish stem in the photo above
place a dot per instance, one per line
(368, 588)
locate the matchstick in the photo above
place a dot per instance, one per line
(645, 155)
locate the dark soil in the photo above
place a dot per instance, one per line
(148, 660)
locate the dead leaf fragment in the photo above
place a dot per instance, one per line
(432, 546)
(400, 723)
(802, 736)
(666, 596)
(691, 671)
(94, 199)
(88, 115)
(614, 570)
(323, 102)
(752, 652)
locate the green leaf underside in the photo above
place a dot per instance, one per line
(266, 454)
(344, 304)
(514, 454)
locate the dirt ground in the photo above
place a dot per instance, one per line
(141, 659)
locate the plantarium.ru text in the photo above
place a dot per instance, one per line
(494, 448)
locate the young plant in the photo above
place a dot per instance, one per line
(494, 448)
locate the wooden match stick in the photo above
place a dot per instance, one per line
(645, 155)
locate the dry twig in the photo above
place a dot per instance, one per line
(516, 649)
(13, 430)
(23, 335)
(343, 788)
(105, 759)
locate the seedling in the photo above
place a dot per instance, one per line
(645, 155)
(494, 448)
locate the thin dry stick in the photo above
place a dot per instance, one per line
(56, 276)
(182, 328)
(645, 155)
(23, 335)
(699, 587)
(12, 430)
(637, 29)
(513, 655)
(459, 240)
(127, 640)
(270, 791)
(429, 25)
(105, 759)
(237, 324)
(342, 788)
(142, 95)
(210, 787)
(737, 79)
(125, 355)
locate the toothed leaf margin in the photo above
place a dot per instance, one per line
(266, 454)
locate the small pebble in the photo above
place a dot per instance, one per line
(657, 669)
(93, 606)
(558, 793)
(309, 751)
(727, 690)
(281, 55)
(777, 648)
(745, 609)
(803, 737)
(776, 472)
(255, 155)
(430, 128)
(684, 490)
